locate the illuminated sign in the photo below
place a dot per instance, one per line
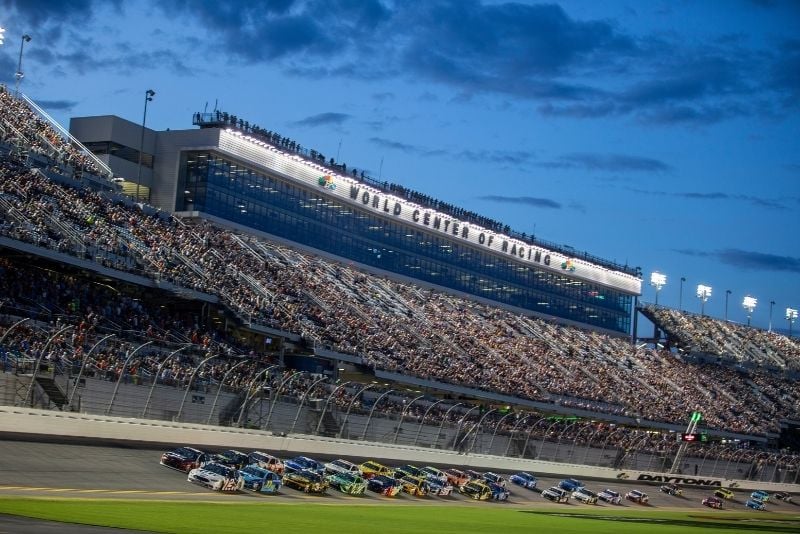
(355, 193)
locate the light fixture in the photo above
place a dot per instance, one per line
(658, 280)
(703, 293)
(749, 303)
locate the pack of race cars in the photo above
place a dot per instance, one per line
(261, 472)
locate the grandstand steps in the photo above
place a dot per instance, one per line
(229, 413)
(52, 390)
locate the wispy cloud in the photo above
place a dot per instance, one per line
(57, 105)
(323, 119)
(761, 202)
(744, 259)
(607, 163)
(527, 201)
(406, 148)
(498, 157)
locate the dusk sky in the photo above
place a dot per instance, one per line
(664, 135)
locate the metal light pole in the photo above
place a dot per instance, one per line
(403, 416)
(189, 385)
(350, 407)
(374, 405)
(325, 407)
(83, 365)
(29, 393)
(658, 280)
(791, 316)
(121, 373)
(303, 400)
(419, 428)
(219, 389)
(278, 392)
(771, 305)
(680, 296)
(727, 294)
(19, 74)
(148, 96)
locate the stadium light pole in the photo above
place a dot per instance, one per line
(727, 294)
(19, 74)
(791, 315)
(680, 296)
(703, 293)
(148, 97)
(749, 303)
(771, 305)
(658, 280)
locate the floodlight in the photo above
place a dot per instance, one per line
(703, 292)
(791, 314)
(749, 303)
(658, 280)
(2, 31)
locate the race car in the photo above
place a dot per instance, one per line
(303, 463)
(713, 502)
(755, 505)
(384, 485)
(258, 479)
(267, 461)
(723, 493)
(408, 470)
(433, 474)
(456, 477)
(349, 483)
(231, 458)
(494, 478)
(610, 496)
(437, 487)
(526, 480)
(671, 489)
(183, 459)
(416, 486)
(371, 469)
(306, 480)
(477, 490)
(556, 494)
(499, 493)
(782, 496)
(341, 466)
(760, 495)
(637, 496)
(585, 496)
(217, 477)
(570, 484)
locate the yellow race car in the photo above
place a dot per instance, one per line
(372, 469)
(723, 493)
(414, 486)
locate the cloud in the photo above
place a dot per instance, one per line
(754, 261)
(322, 119)
(607, 163)
(761, 202)
(406, 147)
(57, 105)
(498, 157)
(527, 201)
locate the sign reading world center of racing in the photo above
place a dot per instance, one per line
(362, 196)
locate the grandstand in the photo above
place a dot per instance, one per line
(104, 299)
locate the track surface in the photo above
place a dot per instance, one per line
(96, 472)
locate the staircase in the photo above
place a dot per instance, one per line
(52, 390)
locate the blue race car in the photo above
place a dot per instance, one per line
(526, 480)
(499, 493)
(755, 505)
(259, 479)
(570, 484)
(760, 495)
(301, 463)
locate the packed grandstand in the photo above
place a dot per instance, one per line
(89, 277)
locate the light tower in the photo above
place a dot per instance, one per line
(658, 280)
(791, 315)
(2, 31)
(19, 74)
(749, 303)
(703, 293)
(148, 97)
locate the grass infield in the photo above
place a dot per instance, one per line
(216, 518)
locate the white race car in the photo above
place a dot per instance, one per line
(609, 496)
(585, 496)
(342, 466)
(216, 477)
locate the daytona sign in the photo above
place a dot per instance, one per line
(666, 479)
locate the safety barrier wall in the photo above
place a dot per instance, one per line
(35, 423)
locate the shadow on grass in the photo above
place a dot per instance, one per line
(778, 525)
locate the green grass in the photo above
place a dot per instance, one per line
(216, 518)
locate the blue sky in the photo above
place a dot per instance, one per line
(665, 135)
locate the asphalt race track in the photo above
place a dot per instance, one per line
(82, 471)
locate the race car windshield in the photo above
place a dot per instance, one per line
(255, 471)
(219, 469)
(186, 453)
